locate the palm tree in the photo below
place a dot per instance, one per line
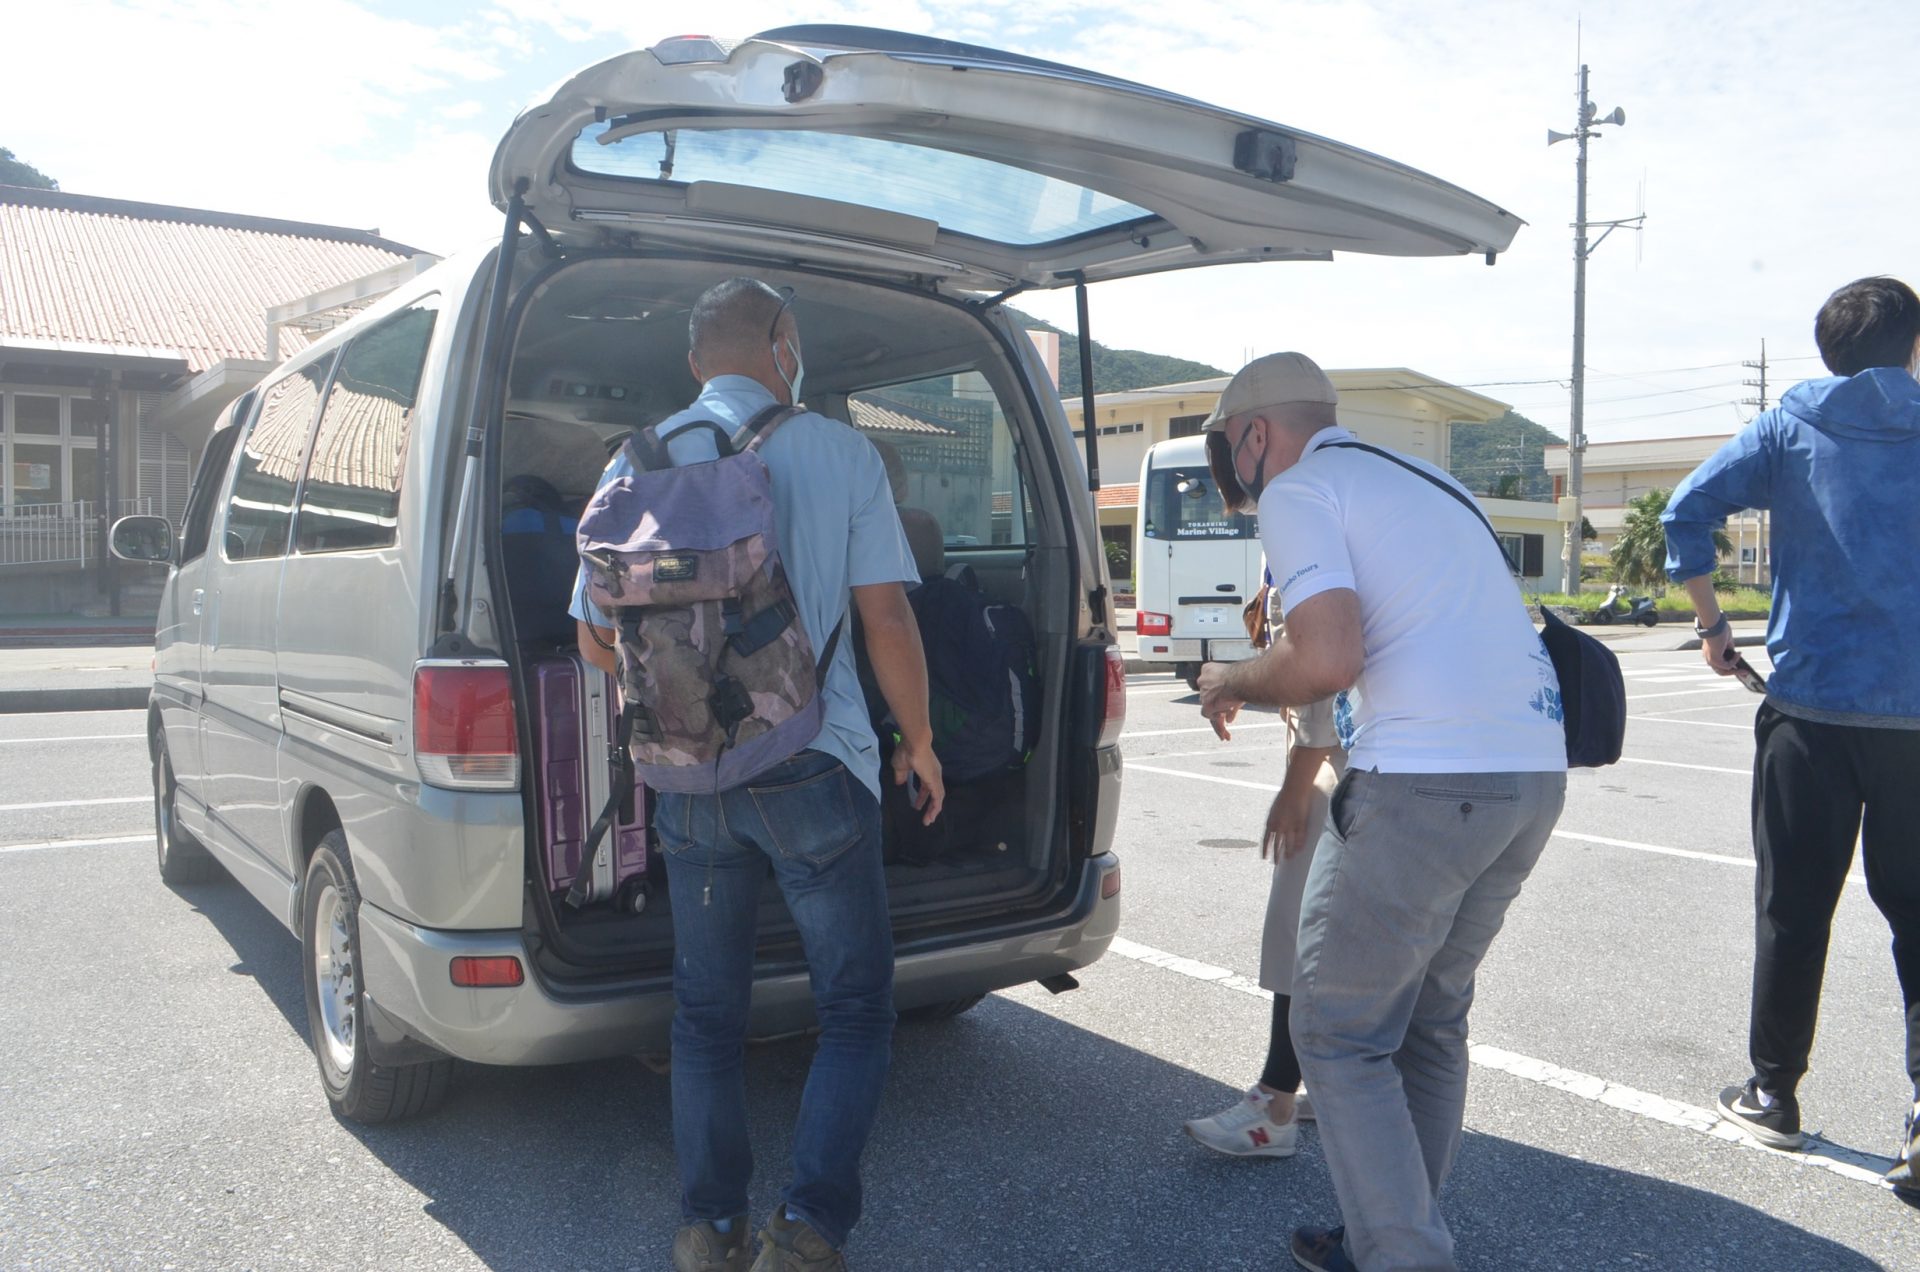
(1640, 556)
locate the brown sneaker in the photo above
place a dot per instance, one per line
(701, 1247)
(791, 1245)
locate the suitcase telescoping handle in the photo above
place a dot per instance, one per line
(621, 758)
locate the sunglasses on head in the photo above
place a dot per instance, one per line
(786, 299)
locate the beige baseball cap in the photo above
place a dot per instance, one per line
(1274, 380)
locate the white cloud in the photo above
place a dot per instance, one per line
(1774, 140)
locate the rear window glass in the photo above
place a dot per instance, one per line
(1183, 503)
(966, 194)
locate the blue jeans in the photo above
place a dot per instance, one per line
(1409, 885)
(820, 830)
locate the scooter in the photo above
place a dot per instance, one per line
(1621, 608)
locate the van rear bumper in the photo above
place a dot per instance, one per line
(408, 982)
(1192, 649)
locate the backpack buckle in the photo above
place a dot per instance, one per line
(730, 703)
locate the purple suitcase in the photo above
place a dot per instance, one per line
(575, 707)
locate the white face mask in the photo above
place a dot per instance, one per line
(799, 370)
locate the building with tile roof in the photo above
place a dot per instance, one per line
(125, 327)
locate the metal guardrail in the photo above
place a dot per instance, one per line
(59, 533)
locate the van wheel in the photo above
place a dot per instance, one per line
(358, 1089)
(939, 1011)
(1189, 672)
(183, 859)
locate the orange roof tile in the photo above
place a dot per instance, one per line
(149, 277)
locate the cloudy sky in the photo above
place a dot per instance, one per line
(1776, 147)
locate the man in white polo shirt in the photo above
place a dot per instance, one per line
(1395, 591)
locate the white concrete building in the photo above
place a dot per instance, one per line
(1393, 407)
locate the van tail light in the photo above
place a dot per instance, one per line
(1113, 717)
(1148, 623)
(464, 735)
(497, 972)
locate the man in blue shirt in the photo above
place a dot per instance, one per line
(815, 817)
(1838, 737)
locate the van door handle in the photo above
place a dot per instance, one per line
(199, 595)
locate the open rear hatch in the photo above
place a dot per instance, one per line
(911, 157)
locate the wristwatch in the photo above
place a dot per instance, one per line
(1708, 633)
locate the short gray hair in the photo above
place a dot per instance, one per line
(733, 317)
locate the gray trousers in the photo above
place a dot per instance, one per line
(1410, 883)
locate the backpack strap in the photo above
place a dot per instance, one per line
(826, 656)
(645, 450)
(754, 433)
(648, 452)
(621, 799)
(1463, 500)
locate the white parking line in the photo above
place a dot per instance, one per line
(42, 845)
(1167, 733)
(1269, 787)
(1682, 693)
(1657, 849)
(75, 737)
(1698, 724)
(1222, 749)
(73, 803)
(1860, 1167)
(1702, 768)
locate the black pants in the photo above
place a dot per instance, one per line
(1283, 1067)
(1816, 789)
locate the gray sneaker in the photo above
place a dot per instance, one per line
(791, 1245)
(701, 1247)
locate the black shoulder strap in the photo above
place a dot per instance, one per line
(647, 449)
(754, 433)
(621, 757)
(826, 656)
(1463, 500)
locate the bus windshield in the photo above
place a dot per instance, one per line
(1183, 503)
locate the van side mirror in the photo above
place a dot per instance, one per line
(148, 539)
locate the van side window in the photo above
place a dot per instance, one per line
(351, 497)
(205, 494)
(260, 509)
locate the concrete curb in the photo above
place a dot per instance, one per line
(109, 698)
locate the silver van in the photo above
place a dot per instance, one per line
(342, 713)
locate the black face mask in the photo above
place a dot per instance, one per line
(1259, 481)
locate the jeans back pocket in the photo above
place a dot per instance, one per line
(809, 820)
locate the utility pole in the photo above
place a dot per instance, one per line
(1762, 552)
(1584, 128)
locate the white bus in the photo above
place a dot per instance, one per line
(1195, 564)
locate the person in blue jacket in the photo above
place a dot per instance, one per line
(1838, 736)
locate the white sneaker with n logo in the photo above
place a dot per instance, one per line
(1245, 1130)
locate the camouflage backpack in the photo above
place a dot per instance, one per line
(718, 679)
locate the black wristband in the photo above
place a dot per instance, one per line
(1708, 633)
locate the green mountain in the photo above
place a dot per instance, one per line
(1505, 458)
(1115, 370)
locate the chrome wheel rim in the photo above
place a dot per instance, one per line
(163, 807)
(333, 976)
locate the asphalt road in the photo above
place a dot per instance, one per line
(160, 1109)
